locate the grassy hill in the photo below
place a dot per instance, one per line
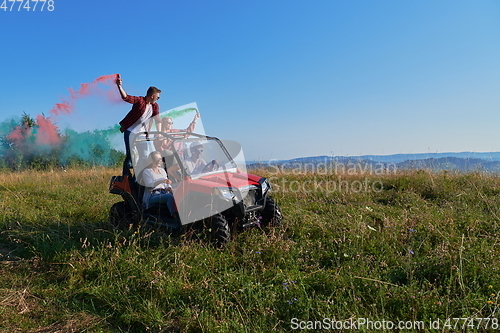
(417, 247)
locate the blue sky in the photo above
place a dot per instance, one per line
(284, 78)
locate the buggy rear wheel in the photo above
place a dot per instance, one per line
(121, 216)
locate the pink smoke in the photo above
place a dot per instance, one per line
(47, 132)
(17, 135)
(86, 89)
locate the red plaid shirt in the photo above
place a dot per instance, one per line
(138, 108)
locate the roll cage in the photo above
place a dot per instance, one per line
(181, 144)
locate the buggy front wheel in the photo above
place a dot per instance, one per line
(271, 215)
(220, 233)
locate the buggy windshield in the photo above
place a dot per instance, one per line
(191, 154)
(201, 156)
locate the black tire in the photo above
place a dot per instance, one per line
(271, 215)
(221, 235)
(120, 215)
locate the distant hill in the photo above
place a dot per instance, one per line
(463, 161)
(452, 164)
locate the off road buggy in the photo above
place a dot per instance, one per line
(218, 195)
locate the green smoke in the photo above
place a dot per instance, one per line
(90, 148)
(178, 113)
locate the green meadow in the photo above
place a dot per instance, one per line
(419, 249)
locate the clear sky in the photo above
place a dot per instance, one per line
(286, 79)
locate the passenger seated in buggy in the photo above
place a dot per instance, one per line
(157, 185)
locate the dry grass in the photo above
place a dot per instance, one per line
(418, 246)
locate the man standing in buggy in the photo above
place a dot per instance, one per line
(138, 119)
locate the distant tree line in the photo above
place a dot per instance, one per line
(19, 149)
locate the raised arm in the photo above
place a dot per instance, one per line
(123, 94)
(193, 123)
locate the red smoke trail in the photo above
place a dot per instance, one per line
(18, 135)
(47, 131)
(67, 106)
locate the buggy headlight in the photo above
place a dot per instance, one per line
(225, 193)
(265, 187)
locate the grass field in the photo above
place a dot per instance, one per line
(417, 247)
